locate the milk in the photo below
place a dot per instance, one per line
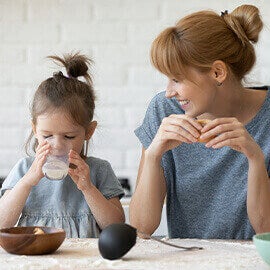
(55, 169)
(56, 165)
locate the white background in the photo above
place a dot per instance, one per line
(117, 34)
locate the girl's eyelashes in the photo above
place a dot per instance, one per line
(66, 136)
(70, 137)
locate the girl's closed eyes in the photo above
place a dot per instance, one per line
(65, 136)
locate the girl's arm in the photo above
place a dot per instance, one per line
(105, 211)
(232, 133)
(147, 201)
(13, 201)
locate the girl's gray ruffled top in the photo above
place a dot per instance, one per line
(206, 187)
(61, 204)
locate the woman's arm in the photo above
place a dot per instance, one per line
(147, 201)
(230, 132)
(258, 194)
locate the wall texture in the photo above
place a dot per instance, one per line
(117, 34)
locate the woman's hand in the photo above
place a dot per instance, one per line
(81, 174)
(35, 171)
(230, 132)
(174, 130)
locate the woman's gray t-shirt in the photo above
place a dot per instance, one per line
(206, 188)
(61, 204)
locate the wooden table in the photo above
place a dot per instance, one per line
(146, 254)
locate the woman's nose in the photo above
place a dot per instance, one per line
(170, 92)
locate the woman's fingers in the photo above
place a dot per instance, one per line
(182, 133)
(220, 122)
(224, 137)
(184, 126)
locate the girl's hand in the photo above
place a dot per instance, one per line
(230, 132)
(81, 174)
(173, 131)
(35, 171)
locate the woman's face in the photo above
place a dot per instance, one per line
(195, 97)
(58, 126)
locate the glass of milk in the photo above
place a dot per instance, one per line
(56, 165)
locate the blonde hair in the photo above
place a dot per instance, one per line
(203, 37)
(74, 97)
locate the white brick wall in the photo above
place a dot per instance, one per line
(117, 34)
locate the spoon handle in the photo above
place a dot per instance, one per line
(170, 244)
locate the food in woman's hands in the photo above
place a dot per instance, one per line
(203, 122)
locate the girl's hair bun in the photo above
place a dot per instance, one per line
(76, 65)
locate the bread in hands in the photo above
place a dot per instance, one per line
(203, 122)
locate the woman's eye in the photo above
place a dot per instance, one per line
(48, 136)
(70, 137)
(174, 80)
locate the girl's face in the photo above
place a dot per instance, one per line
(59, 126)
(195, 97)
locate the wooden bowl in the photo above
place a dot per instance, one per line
(34, 240)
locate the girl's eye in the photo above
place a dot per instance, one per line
(174, 80)
(45, 137)
(70, 137)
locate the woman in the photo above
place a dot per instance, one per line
(217, 189)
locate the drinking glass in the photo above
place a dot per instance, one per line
(56, 165)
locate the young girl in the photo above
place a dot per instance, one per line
(218, 189)
(87, 200)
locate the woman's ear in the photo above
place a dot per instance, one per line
(90, 130)
(219, 72)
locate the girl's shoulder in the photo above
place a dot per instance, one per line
(23, 164)
(98, 165)
(95, 161)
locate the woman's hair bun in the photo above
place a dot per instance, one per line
(76, 64)
(246, 22)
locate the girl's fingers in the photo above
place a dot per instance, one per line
(43, 148)
(75, 161)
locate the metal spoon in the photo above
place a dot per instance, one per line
(169, 244)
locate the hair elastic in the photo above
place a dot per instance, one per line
(223, 13)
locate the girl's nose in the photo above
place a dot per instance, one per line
(57, 143)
